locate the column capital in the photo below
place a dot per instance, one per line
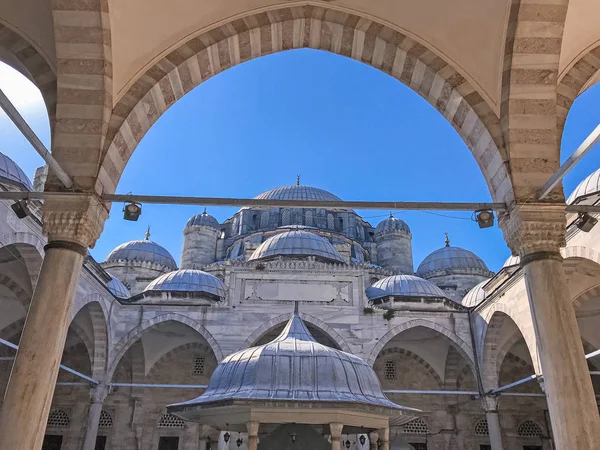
(99, 393)
(490, 404)
(335, 429)
(252, 428)
(77, 219)
(534, 227)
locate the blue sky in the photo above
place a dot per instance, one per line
(343, 126)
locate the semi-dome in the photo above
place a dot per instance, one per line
(403, 286)
(188, 280)
(142, 251)
(589, 187)
(390, 225)
(475, 296)
(293, 367)
(203, 219)
(296, 243)
(450, 258)
(117, 288)
(11, 172)
(298, 192)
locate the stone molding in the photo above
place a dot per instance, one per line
(74, 218)
(534, 227)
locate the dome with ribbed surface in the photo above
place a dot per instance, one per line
(292, 367)
(403, 286)
(296, 243)
(142, 251)
(512, 261)
(475, 296)
(298, 193)
(451, 259)
(204, 219)
(188, 280)
(588, 188)
(117, 288)
(390, 225)
(11, 172)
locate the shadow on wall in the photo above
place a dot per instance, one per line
(293, 436)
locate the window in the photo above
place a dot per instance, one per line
(390, 369)
(105, 420)
(529, 429)
(170, 421)
(52, 442)
(168, 443)
(254, 221)
(264, 220)
(100, 443)
(330, 221)
(286, 217)
(340, 224)
(417, 426)
(308, 218)
(199, 365)
(481, 428)
(58, 419)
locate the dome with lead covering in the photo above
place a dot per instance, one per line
(188, 280)
(117, 288)
(296, 243)
(404, 286)
(12, 173)
(512, 261)
(390, 225)
(203, 219)
(142, 251)
(475, 296)
(589, 188)
(292, 367)
(298, 192)
(450, 259)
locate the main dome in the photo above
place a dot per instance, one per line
(11, 172)
(298, 192)
(451, 258)
(296, 243)
(142, 251)
(188, 280)
(403, 286)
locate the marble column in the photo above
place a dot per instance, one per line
(252, 428)
(335, 430)
(373, 438)
(490, 405)
(536, 233)
(71, 224)
(98, 395)
(384, 437)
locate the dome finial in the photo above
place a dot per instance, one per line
(204, 212)
(297, 180)
(148, 233)
(391, 215)
(447, 240)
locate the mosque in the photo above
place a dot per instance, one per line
(294, 328)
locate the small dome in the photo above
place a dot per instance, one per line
(117, 288)
(296, 243)
(188, 280)
(587, 188)
(142, 251)
(475, 296)
(11, 172)
(292, 367)
(298, 192)
(512, 261)
(390, 225)
(203, 219)
(404, 286)
(449, 259)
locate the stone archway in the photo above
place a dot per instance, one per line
(208, 53)
(98, 341)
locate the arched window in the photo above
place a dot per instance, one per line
(340, 224)
(199, 365)
(264, 219)
(105, 420)
(58, 419)
(170, 421)
(417, 426)
(308, 218)
(254, 221)
(481, 428)
(330, 222)
(286, 217)
(530, 429)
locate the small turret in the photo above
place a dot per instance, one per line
(394, 248)
(200, 241)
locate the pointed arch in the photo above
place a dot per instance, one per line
(282, 319)
(389, 352)
(99, 339)
(283, 28)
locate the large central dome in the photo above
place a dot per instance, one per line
(297, 192)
